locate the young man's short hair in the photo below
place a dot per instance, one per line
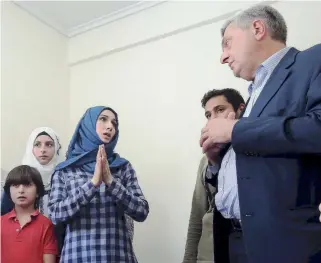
(24, 174)
(232, 96)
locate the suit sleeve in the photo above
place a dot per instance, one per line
(283, 135)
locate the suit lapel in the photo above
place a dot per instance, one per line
(274, 83)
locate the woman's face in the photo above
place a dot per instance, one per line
(43, 149)
(106, 126)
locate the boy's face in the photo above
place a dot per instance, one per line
(23, 195)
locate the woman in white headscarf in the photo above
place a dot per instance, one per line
(42, 153)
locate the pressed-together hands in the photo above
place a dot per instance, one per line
(216, 134)
(102, 172)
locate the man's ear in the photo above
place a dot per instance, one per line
(259, 29)
(242, 106)
(240, 109)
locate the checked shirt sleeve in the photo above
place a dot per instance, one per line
(63, 206)
(129, 196)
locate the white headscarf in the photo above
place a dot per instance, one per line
(47, 170)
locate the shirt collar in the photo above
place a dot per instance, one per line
(271, 62)
(267, 67)
(260, 74)
(12, 214)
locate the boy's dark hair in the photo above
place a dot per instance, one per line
(24, 174)
(232, 96)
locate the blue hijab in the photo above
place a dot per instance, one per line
(84, 144)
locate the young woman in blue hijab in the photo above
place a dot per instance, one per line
(94, 191)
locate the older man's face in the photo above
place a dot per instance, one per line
(238, 47)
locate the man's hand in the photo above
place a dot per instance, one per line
(217, 131)
(107, 177)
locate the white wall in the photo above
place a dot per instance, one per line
(35, 82)
(156, 88)
(154, 68)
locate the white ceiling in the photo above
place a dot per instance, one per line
(74, 17)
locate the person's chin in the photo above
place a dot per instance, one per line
(216, 149)
(106, 141)
(236, 74)
(44, 162)
(23, 203)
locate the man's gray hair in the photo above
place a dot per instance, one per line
(273, 20)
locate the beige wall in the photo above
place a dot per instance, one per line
(153, 68)
(34, 84)
(156, 87)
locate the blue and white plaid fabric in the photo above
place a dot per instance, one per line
(97, 227)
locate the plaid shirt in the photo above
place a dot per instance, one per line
(97, 230)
